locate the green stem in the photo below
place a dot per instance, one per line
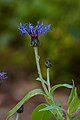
(68, 116)
(49, 99)
(17, 116)
(48, 80)
(37, 57)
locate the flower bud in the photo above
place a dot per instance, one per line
(20, 110)
(48, 63)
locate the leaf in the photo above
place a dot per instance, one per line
(39, 79)
(41, 115)
(51, 107)
(74, 106)
(24, 99)
(55, 110)
(74, 102)
(59, 85)
(71, 94)
(58, 114)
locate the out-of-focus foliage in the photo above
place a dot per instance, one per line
(61, 44)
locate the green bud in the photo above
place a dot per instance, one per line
(48, 63)
(20, 110)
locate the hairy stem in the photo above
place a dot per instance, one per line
(17, 116)
(37, 57)
(49, 100)
(48, 80)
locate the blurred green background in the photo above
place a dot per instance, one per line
(61, 44)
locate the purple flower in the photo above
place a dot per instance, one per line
(29, 29)
(34, 31)
(3, 75)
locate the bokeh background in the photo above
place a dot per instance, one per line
(61, 44)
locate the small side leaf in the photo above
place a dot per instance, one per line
(51, 107)
(41, 115)
(25, 98)
(59, 85)
(39, 79)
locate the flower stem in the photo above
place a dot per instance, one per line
(37, 57)
(17, 116)
(48, 80)
(49, 100)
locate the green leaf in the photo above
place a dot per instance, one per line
(39, 79)
(25, 98)
(74, 106)
(58, 114)
(51, 107)
(74, 103)
(55, 110)
(71, 94)
(60, 85)
(41, 115)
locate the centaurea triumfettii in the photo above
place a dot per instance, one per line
(34, 31)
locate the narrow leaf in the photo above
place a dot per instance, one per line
(24, 99)
(74, 106)
(71, 94)
(59, 85)
(74, 101)
(51, 107)
(55, 110)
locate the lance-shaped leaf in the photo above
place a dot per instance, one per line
(74, 101)
(55, 110)
(24, 99)
(59, 85)
(51, 107)
(72, 94)
(41, 115)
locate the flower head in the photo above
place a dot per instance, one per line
(29, 29)
(3, 75)
(34, 31)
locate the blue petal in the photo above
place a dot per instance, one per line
(39, 26)
(31, 27)
(22, 28)
(45, 29)
(28, 28)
